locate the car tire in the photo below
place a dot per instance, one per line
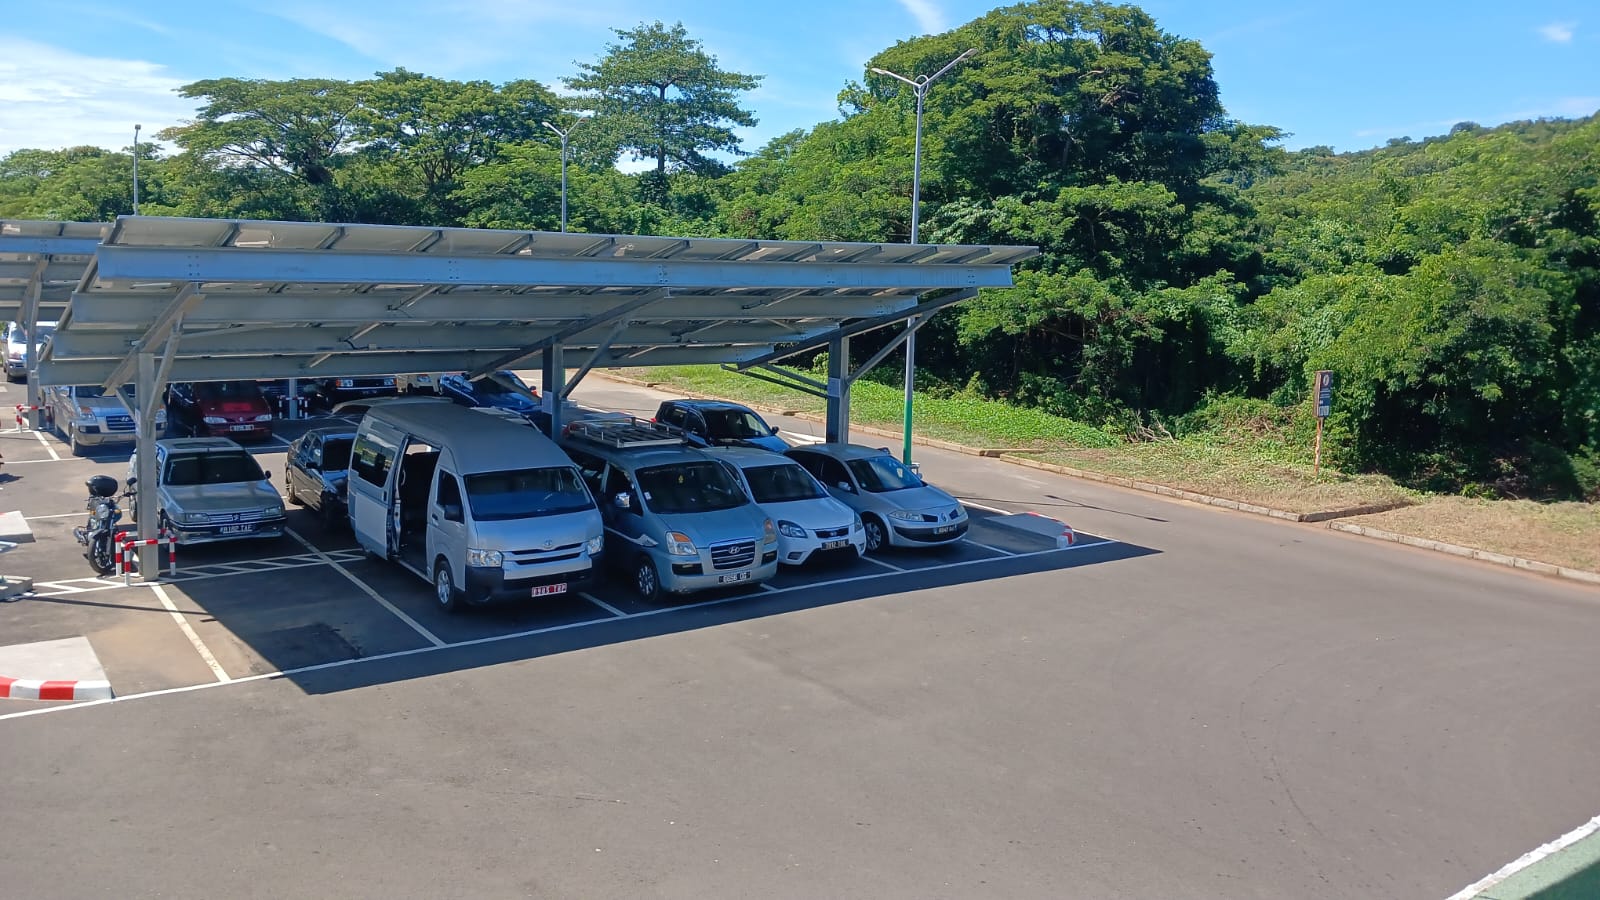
(72, 441)
(646, 583)
(877, 533)
(445, 592)
(290, 495)
(328, 514)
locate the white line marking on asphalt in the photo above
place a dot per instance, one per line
(416, 626)
(803, 438)
(1528, 859)
(18, 462)
(991, 509)
(47, 448)
(189, 632)
(992, 549)
(602, 604)
(874, 559)
(767, 587)
(56, 516)
(497, 638)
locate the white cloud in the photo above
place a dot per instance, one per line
(930, 18)
(52, 98)
(1558, 32)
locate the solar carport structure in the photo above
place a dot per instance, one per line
(168, 299)
(40, 264)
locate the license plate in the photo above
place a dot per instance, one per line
(834, 545)
(545, 590)
(236, 529)
(944, 529)
(244, 428)
(730, 579)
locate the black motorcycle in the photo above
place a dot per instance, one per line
(99, 536)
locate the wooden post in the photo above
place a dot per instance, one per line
(1316, 468)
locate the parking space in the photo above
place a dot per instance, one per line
(313, 599)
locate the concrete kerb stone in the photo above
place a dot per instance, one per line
(1327, 517)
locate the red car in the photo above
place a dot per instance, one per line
(235, 409)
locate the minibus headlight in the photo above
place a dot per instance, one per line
(595, 544)
(484, 559)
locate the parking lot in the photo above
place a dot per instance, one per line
(312, 600)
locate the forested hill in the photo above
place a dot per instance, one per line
(1192, 272)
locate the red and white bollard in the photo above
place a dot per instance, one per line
(21, 422)
(125, 555)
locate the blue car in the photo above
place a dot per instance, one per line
(501, 390)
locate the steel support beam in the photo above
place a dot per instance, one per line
(125, 263)
(594, 357)
(925, 309)
(838, 423)
(576, 328)
(803, 387)
(145, 501)
(186, 299)
(553, 373)
(30, 324)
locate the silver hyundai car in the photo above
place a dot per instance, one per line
(896, 506)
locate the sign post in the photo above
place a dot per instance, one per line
(1324, 407)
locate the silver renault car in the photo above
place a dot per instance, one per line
(896, 506)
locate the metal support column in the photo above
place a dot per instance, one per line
(912, 324)
(147, 398)
(551, 383)
(292, 399)
(30, 330)
(838, 427)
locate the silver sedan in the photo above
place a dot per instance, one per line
(896, 506)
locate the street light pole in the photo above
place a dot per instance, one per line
(136, 170)
(563, 136)
(919, 86)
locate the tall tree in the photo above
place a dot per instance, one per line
(659, 96)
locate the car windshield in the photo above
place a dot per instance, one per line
(228, 390)
(497, 387)
(211, 468)
(734, 424)
(880, 474)
(94, 390)
(336, 452)
(782, 483)
(689, 487)
(526, 493)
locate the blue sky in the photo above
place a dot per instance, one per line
(1347, 74)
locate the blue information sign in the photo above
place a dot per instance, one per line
(1324, 393)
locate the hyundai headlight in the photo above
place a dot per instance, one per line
(595, 544)
(790, 529)
(906, 515)
(214, 420)
(769, 535)
(484, 559)
(679, 544)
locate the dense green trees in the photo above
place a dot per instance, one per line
(1190, 267)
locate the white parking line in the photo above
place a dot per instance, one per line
(56, 516)
(991, 509)
(188, 632)
(993, 549)
(874, 559)
(602, 604)
(497, 638)
(47, 448)
(416, 626)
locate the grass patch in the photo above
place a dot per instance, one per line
(1234, 473)
(1562, 534)
(967, 420)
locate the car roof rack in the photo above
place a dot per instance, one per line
(623, 433)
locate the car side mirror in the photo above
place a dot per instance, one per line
(132, 480)
(845, 486)
(266, 475)
(622, 500)
(452, 512)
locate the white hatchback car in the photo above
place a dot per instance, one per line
(810, 523)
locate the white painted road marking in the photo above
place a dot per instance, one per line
(47, 448)
(602, 604)
(497, 638)
(989, 548)
(874, 559)
(416, 626)
(188, 632)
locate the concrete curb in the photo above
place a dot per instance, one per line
(1499, 559)
(34, 689)
(1326, 516)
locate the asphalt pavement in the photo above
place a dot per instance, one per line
(1226, 707)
